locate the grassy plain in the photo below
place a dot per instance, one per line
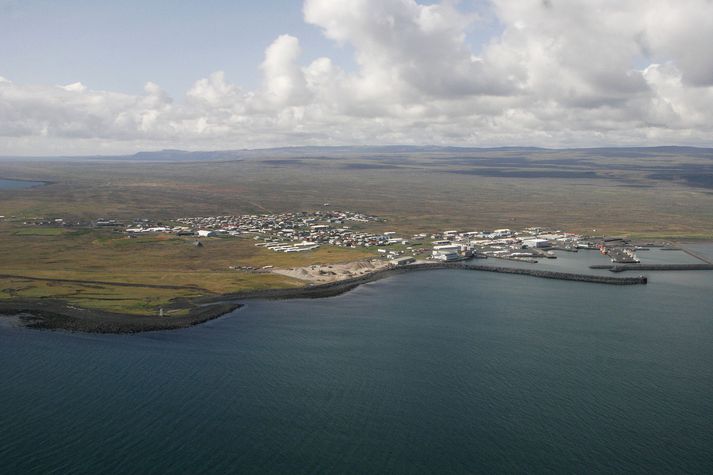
(91, 268)
(658, 193)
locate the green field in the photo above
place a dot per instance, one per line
(37, 231)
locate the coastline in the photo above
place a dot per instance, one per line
(58, 315)
(332, 289)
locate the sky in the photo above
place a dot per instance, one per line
(100, 77)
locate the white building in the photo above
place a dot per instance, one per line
(537, 243)
(446, 256)
(447, 248)
(500, 233)
(447, 253)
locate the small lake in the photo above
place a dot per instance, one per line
(6, 184)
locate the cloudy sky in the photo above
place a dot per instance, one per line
(88, 76)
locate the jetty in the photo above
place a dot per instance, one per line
(639, 267)
(697, 256)
(545, 274)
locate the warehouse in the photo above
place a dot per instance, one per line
(536, 243)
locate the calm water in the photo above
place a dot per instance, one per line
(17, 184)
(440, 371)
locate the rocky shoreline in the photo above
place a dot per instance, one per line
(58, 315)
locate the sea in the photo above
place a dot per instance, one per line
(6, 184)
(442, 371)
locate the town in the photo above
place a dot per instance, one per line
(305, 231)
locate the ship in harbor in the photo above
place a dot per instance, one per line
(623, 255)
(620, 255)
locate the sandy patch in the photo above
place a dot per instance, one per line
(333, 272)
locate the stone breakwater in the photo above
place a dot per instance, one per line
(628, 267)
(597, 279)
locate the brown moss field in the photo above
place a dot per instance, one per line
(617, 190)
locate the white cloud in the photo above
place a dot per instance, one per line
(213, 91)
(559, 73)
(284, 81)
(74, 87)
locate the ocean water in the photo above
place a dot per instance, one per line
(431, 372)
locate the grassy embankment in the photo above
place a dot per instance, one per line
(157, 269)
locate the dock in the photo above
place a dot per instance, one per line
(663, 267)
(697, 256)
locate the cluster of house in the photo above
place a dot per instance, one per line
(289, 225)
(330, 233)
(285, 224)
(305, 231)
(42, 221)
(283, 232)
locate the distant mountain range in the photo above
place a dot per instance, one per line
(184, 155)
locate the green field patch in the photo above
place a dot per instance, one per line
(37, 231)
(137, 299)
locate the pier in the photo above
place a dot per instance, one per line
(697, 256)
(639, 267)
(597, 279)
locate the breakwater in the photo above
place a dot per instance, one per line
(639, 267)
(597, 279)
(697, 256)
(338, 287)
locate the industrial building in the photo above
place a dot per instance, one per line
(536, 243)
